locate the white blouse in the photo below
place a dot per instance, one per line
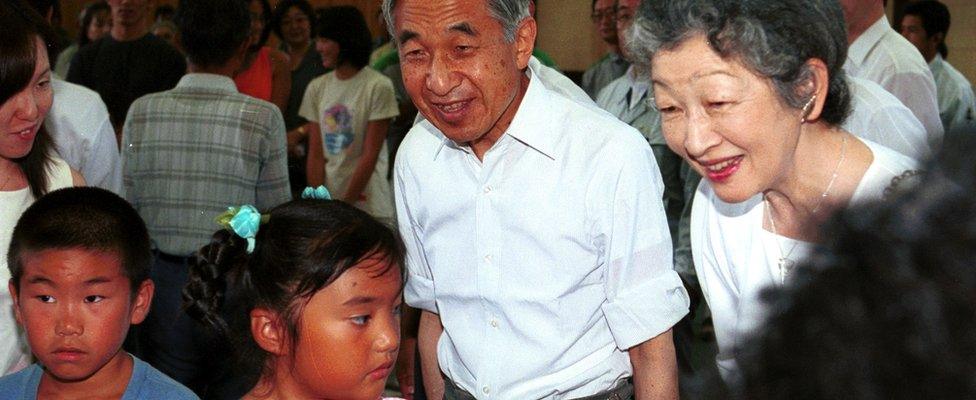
(736, 258)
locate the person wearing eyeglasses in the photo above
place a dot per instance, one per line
(612, 65)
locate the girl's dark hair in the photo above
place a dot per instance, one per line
(88, 15)
(347, 26)
(266, 19)
(305, 246)
(18, 58)
(282, 8)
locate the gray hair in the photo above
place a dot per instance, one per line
(509, 13)
(773, 38)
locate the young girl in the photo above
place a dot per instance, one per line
(318, 284)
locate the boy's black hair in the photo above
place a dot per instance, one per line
(83, 217)
(212, 31)
(347, 26)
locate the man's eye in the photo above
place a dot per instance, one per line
(93, 298)
(45, 298)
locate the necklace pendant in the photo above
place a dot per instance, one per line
(786, 265)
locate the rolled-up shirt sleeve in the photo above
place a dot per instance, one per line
(418, 291)
(645, 296)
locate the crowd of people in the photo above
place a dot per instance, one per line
(186, 212)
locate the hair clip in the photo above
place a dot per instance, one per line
(317, 193)
(244, 222)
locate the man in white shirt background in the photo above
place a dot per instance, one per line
(537, 246)
(878, 53)
(926, 24)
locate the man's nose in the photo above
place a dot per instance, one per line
(442, 77)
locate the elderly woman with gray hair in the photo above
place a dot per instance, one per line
(752, 94)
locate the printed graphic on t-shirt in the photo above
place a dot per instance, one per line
(337, 129)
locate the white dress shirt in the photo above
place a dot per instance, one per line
(736, 258)
(880, 117)
(78, 122)
(546, 260)
(956, 100)
(885, 57)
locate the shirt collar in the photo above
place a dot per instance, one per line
(936, 63)
(859, 50)
(639, 86)
(530, 126)
(207, 81)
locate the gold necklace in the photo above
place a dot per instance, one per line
(785, 263)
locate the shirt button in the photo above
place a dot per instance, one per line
(488, 258)
(486, 390)
(487, 189)
(494, 323)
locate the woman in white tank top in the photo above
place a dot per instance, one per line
(28, 165)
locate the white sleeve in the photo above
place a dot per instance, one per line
(917, 91)
(418, 291)
(645, 296)
(104, 164)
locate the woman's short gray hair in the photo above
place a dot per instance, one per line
(509, 13)
(774, 38)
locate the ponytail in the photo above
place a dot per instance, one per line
(206, 286)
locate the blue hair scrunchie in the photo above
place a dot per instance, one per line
(244, 222)
(317, 193)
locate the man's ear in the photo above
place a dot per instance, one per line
(13, 294)
(142, 301)
(268, 331)
(525, 41)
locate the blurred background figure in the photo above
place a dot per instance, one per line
(349, 112)
(293, 23)
(129, 62)
(886, 308)
(613, 65)
(166, 30)
(926, 24)
(266, 72)
(879, 54)
(164, 12)
(95, 21)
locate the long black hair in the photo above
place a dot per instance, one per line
(305, 246)
(18, 59)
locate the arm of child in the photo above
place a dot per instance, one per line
(429, 332)
(315, 165)
(372, 145)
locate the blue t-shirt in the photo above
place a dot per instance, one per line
(146, 383)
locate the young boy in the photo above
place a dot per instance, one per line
(79, 264)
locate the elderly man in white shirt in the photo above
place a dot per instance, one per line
(925, 24)
(537, 245)
(879, 54)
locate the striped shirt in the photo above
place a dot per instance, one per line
(191, 152)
